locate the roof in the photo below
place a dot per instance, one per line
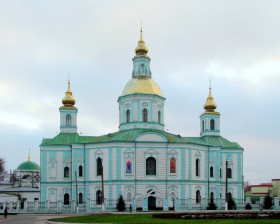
(216, 141)
(141, 85)
(262, 185)
(28, 166)
(21, 189)
(132, 134)
(247, 188)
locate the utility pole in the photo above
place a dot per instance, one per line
(226, 193)
(76, 191)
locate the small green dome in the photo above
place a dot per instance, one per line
(29, 166)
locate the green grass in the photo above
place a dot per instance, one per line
(147, 218)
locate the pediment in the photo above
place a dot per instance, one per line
(151, 137)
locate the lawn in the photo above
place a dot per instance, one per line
(147, 218)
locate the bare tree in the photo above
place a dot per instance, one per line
(2, 165)
(247, 183)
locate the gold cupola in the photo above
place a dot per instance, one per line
(141, 49)
(68, 100)
(210, 104)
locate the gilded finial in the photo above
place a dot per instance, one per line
(141, 49)
(210, 104)
(29, 159)
(68, 100)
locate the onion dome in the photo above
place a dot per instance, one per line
(210, 104)
(68, 100)
(141, 49)
(28, 166)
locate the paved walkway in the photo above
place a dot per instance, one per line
(30, 218)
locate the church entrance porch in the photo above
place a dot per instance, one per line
(152, 201)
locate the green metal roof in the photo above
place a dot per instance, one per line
(216, 141)
(28, 166)
(132, 134)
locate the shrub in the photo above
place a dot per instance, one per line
(267, 204)
(211, 205)
(248, 206)
(121, 204)
(231, 203)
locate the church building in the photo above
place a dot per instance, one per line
(149, 167)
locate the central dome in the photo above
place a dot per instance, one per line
(141, 85)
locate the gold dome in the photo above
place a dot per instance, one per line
(68, 100)
(141, 49)
(141, 85)
(210, 104)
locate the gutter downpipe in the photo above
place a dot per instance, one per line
(135, 178)
(208, 175)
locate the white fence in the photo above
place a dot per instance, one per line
(110, 205)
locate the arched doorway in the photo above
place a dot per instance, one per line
(151, 203)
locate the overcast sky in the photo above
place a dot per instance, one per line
(234, 43)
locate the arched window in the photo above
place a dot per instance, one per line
(66, 172)
(145, 115)
(99, 166)
(99, 197)
(68, 120)
(151, 166)
(142, 68)
(127, 116)
(66, 199)
(202, 124)
(172, 165)
(212, 196)
(197, 168)
(197, 197)
(229, 173)
(159, 117)
(211, 171)
(80, 171)
(212, 124)
(80, 198)
(220, 173)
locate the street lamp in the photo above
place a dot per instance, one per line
(102, 184)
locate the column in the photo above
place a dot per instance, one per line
(88, 205)
(59, 207)
(73, 206)
(134, 205)
(204, 203)
(219, 203)
(145, 205)
(176, 205)
(165, 204)
(189, 203)
(47, 206)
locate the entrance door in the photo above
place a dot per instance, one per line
(151, 203)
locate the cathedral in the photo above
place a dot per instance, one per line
(151, 168)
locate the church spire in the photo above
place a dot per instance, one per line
(210, 104)
(141, 49)
(68, 100)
